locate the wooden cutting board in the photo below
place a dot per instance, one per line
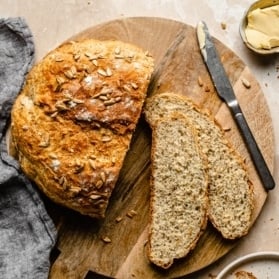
(81, 251)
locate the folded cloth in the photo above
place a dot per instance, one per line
(27, 233)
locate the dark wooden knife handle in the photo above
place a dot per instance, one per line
(256, 155)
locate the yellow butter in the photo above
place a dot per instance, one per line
(262, 30)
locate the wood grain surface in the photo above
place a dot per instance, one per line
(81, 251)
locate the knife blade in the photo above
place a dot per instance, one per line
(226, 93)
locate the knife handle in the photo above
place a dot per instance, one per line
(256, 155)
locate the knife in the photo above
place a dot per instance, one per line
(226, 93)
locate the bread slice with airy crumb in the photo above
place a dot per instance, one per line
(230, 190)
(178, 191)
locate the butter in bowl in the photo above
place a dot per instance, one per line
(259, 27)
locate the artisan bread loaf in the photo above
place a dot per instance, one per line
(73, 121)
(178, 190)
(230, 191)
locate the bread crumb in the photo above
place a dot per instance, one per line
(118, 219)
(106, 239)
(227, 128)
(223, 25)
(131, 213)
(246, 83)
(212, 276)
(207, 89)
(200, 82)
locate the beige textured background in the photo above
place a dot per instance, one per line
(54, 21)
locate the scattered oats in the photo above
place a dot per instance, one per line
(103, 98)
(119, 56)
(60, 80)
(200, 82)
(73, 69)
(54, 114)
(126, 88)
(61, 180)
(43, 144)
(95, 197)
(58, 58)
(58, 87)
(92, 164)
(89, 55)
(103, 176)
(131, 213)
(61, 106)
(95, 62)
(88, 69)
(77, 101)
(99, 184)
(52, 156)
(75, 190)
(76, 56)
(25, 128)
(110, 102)
(102, 72)
(246, 83)
(69, 74)
(117, 50)
(106, 138)
(134, 85)
(118, 219)
(106, 239)
(109, 72)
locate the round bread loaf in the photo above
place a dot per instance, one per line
(73, 121)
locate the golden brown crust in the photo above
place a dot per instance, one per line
(73, 121)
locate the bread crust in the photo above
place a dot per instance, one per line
(187, 197)
(73, 121)
(224, 198)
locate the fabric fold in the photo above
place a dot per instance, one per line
(27, 232)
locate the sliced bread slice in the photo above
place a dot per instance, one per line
(230, 190)
(178, 191)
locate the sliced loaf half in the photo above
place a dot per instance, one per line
(230, 191)
(178, 191)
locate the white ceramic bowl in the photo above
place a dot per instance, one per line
(243, 24)
(260, 264)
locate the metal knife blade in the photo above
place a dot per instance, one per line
(225, 91)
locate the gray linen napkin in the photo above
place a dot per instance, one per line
(27, 233)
